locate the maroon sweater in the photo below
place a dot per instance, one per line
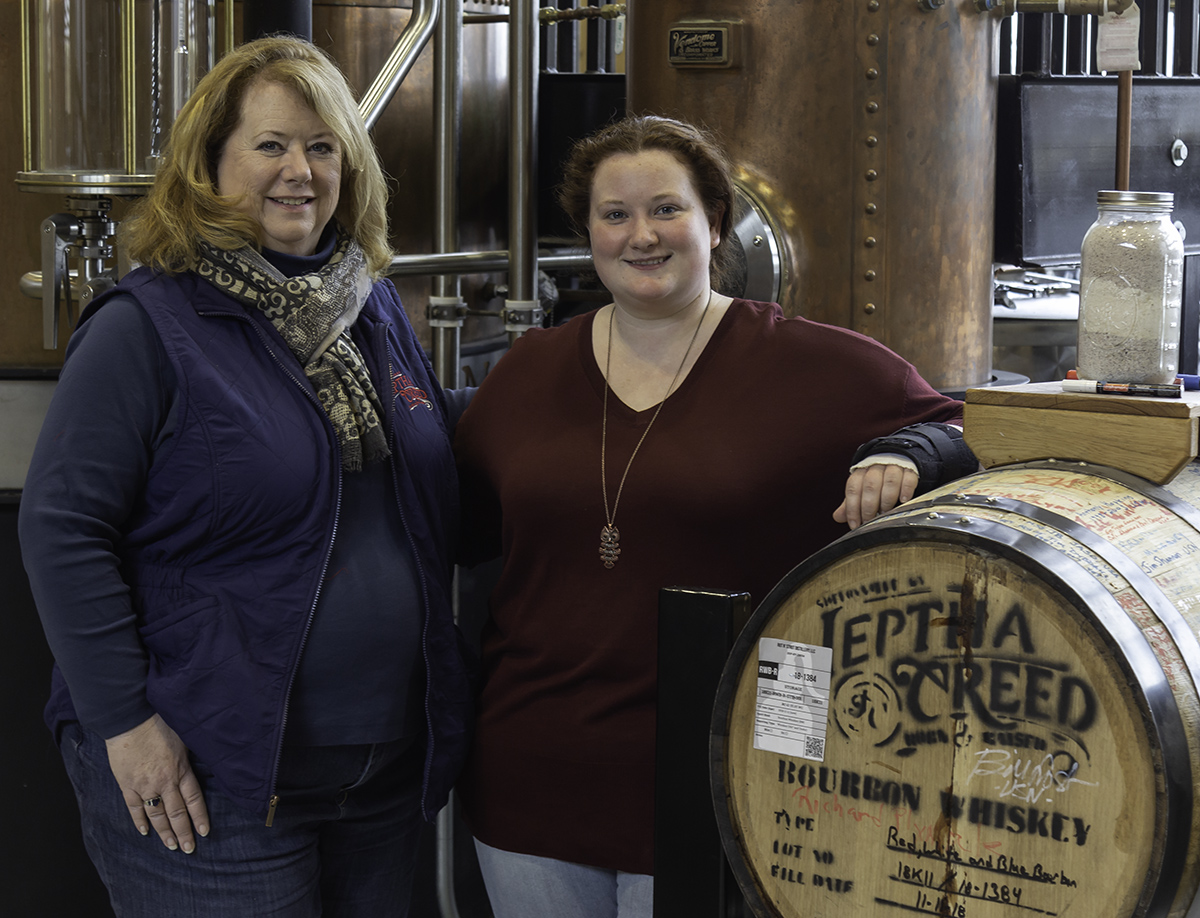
(734, 485)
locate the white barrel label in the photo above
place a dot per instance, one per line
(793, 698)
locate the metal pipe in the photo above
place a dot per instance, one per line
(129, 92)
(26, 90)
(1124, 127)
(447, 128)
(566, 40)
(522, 304)
(446, 310)
(548, 51)
(548, 15)
(444, 853)
(1069, 7)
(446, 306)
(481, 262)
(405, 53)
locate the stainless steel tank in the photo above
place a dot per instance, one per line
(103, 82)
(359, 36)
(865, 132)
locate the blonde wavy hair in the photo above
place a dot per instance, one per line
(184, 206)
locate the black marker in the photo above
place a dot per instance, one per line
(1154, 390)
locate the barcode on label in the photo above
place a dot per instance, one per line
(814, 747)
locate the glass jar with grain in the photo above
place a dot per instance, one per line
(1130, 290)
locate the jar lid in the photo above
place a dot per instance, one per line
(1154, 199)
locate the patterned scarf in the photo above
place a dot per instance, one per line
(313, 313)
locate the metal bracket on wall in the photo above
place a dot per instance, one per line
(522, 315)
(58, 232)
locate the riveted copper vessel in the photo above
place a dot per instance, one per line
(867, 129)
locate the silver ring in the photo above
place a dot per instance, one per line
(152, 802)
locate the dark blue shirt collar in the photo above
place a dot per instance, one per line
(295, 265)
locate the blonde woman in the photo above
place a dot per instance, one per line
(238, 526)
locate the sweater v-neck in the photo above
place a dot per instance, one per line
(595, 373)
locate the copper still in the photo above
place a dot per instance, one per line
(865, 133)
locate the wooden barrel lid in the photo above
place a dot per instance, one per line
(972, 708)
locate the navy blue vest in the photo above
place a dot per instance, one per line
(227, 549)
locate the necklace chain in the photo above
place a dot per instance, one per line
(610, 536)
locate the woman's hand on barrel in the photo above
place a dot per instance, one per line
(874, 490)
(150, 763)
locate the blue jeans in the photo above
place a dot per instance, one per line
(525, 886)
(343, 843)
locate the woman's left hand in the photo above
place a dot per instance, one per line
(874, 490)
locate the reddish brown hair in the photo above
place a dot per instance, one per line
(697, 150)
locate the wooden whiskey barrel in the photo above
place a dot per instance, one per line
(981, 705)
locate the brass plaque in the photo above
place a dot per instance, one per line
(704, 44)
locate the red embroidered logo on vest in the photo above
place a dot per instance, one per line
(412, 395)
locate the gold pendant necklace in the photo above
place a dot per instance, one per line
(610, 536)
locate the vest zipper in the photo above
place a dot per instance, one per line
(312, 612)
(273, 801)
